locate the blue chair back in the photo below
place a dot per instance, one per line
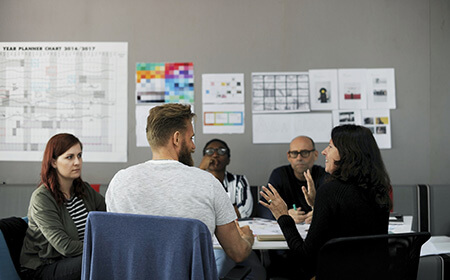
(129, 246)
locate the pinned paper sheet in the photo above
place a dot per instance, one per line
(381, 89)
(73, 87)
(142, 111)
(225, 118)
(323, 88)
(352, 88)
(341, 117)
(223, 103)
(379, 122)
(141, 123)
(223, 88)
(282, 128)
(280, 92)
(165, 82)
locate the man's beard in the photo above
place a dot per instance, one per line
(185, 155)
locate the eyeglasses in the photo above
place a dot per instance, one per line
(303, 153)
(220, 151)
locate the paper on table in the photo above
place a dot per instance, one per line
(266, 228)
(401, 227)
(436, 245)
(394, 218)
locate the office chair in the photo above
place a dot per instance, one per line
(387, 256)
(12, 233)
(129, 246)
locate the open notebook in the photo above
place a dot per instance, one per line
(270, 237)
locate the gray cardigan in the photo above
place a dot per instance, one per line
(51, 232)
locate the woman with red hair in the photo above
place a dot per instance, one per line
(57, 214)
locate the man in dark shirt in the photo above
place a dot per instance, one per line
(289, 179)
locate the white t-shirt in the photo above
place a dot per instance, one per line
(170, 188)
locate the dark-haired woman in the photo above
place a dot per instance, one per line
(53, 243)
(354, 202)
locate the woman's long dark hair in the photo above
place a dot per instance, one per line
(361, 163)
(56, 146)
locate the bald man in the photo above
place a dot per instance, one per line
(289, 179)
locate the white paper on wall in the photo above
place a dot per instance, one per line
(72, 87)
(349, 116)
(141, 123)
(142, 112)
(280, 92)
(282, 128)
(323, 92)
(223, 106)
(379, 122)
(223, 88)
(381, 88)
(352, 88)
(223, 118)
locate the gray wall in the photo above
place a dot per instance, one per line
(439, 91)
(245, 36)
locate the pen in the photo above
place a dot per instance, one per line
(295, 207)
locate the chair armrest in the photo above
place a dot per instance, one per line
(238, 272)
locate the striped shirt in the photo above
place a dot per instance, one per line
(238, 190)
(78, 212)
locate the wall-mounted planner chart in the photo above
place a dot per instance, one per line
(74, 87)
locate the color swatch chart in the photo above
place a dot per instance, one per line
(165, 82)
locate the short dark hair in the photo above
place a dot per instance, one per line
(165, 120)
(360, 161)
(221, 142)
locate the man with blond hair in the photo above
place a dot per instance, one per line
(169, 185)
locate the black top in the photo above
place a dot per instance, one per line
(340, 210)
(13, 230)
(290, 188)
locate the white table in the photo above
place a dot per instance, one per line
(436, 245)
(261, 226)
